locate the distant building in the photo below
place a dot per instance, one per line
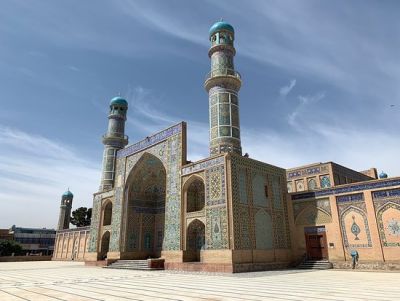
(6, 235)
(34, 240)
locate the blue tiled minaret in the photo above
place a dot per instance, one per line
(113, 140)
(223, 84)
(65, 210)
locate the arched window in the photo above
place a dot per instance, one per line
(107, 214)
(195, 196)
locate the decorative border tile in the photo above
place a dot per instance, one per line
(386, 194)
(348, 189)
(384, 200)
(356, 203)
(359, 197)
(150, 141)
(203, 165)
(307, 171)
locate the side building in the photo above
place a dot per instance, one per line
(324, 175)
(70, 244)
(364, 217)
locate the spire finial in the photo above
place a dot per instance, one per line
(221, 19)
(119, 94)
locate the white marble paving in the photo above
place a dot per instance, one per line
(72, 281)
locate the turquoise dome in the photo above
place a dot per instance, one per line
(118, 101)
(68, 194)
(383, 175)
(221, 25)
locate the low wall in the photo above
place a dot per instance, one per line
(24, 258)
(368, 265)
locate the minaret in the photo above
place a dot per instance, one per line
(65, 210)
(113, 140)
(223, 84)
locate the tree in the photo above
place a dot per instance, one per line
(8, 247)
(81, 217)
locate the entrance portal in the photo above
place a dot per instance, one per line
(146, 208)
(195, 240)
(316, 243)
(105, 244)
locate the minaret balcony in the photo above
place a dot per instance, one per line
(217, 76)
(223, 72)
(115, 139)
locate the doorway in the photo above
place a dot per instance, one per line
(316, 243)
(195, 240)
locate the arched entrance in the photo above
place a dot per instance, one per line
(105, 243)
(145, 209)
(195, 240)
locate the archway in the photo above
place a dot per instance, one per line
(105, 243)
(107, 214)
(145, 188)
(195, 195)
(195, 240)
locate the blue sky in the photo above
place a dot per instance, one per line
(320, 83)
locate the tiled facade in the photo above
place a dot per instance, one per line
(228, 212)
(362, 216)
(324, 175)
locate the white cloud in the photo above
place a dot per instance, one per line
(34, 172)
(310, 142)
(301, 108)
(144, 116)
(285, 90)
(350, 147)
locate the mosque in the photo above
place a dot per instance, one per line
(227, 212)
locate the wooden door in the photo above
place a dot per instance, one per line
(316, 246)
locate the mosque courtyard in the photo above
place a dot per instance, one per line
(73, 281)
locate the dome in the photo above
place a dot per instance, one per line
(118, 101)
(221, 25)
(383, 175)
(68, 194)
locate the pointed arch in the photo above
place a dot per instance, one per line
(107, 213)
(388, 229)
(105, 244)
(194, 194)
(312, 215)
(346, 242)
(145, 196)
(195, 240)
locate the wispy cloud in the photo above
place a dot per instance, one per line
(146, 118)
(317, 142)
(34, 172)
(350, 147)
(301, 108)
(285, 90)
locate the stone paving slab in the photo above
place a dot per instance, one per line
(72, 281)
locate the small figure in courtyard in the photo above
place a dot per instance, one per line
(354, 256)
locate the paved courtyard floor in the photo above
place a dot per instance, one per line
(73, 281)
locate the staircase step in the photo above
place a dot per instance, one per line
(315, 265)
(131, 265)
